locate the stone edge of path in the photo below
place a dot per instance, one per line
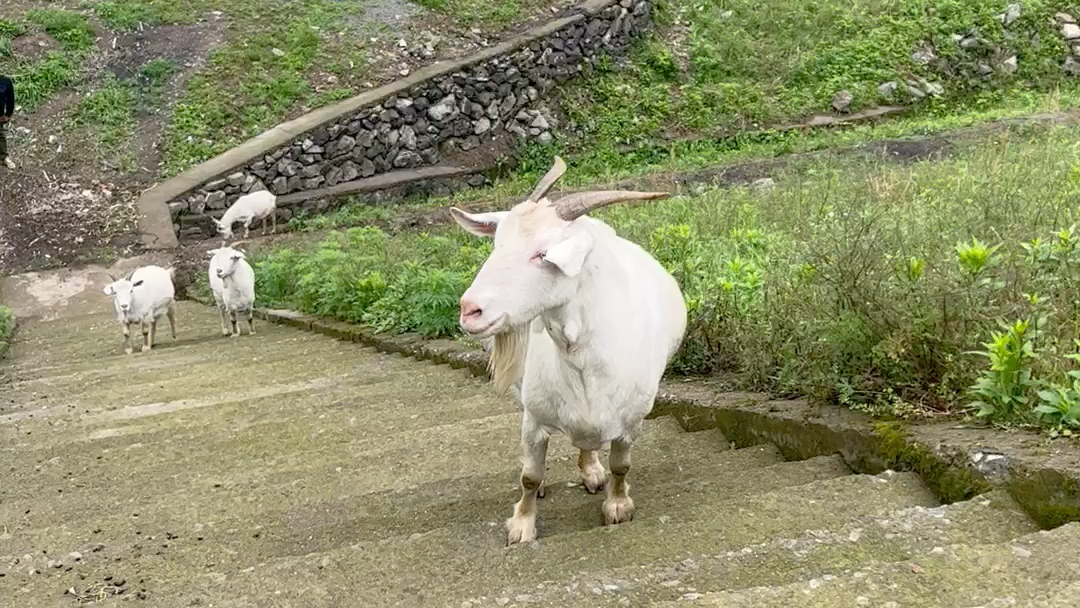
(956, 462)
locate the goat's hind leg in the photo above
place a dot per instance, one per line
(534, 443)
(127, 337)
(145, 336)
(171, 314)
(618, 506)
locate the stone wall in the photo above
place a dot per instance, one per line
(455, 110)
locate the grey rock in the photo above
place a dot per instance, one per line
(236, 179)
(482, 126)
(923, 56)
(887, 89)
(1071, 66)
(286, 168)
(493, 110)
(935, 89)
(534, 131)
(470, 143)
(367, 168)
(763, 184)
(1009, 65)
(508, 104)
(915, 91)
(445, 108)
(307, 159)
(1064, 18)
(310, 171)
(1070, 31)
(176, 207)
(294, 184)
(402, 102)
(408, 137)
(349, 171)
(217, 184)
(344, 145)
(320, 136)
(313, 182)
(249, 181)
(279, 185)
(540, 122)
(308, 144)
(257, 186)
(477, 180)
(364, 138)
(545, 138)
(1012, 13)
(407, 158)
(841, 102)
(969, 42)
(354, 127)
(983, 69)
(333, 176)
(215, 200)
(315, 150)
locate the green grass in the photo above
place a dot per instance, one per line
(39, 80)
(109, 112)
(713, 70)
(7, 325)
(851, 281)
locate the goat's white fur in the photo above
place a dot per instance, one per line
(143, 297)
(232, 281)
(584, 324)
(261, 204)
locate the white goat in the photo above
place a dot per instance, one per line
(233, 282)
(584, 324)
(252, 206)
(142, 297)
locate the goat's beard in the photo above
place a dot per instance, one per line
(507, 360)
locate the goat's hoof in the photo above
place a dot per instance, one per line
(618, 510)
(542, 492)
(145, 349)
(593, 478)
(520, 529)
(129, 350)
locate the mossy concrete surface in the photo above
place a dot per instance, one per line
(291, 468)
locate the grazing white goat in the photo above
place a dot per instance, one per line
(583, 323)
(142, 297)
(252, 206)
(233, 282)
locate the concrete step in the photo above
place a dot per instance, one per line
(481, 462)
(441, 566)
(248, 531)
(812, 554)
(956, 575)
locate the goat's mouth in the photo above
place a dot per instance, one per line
(482, 330)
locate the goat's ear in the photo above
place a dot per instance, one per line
(480, 224)
(137, 283)
(110, 290)
(569, 254)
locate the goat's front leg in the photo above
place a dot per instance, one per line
(247, 227)
(145, 336)
(251, 321)
(273, 222)
(618, 507)
(153, 333)
(127, 336)
(263, 231)
(235, 328)
(224, 320)
(521, 527)
(591, 470)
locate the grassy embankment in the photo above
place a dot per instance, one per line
(862, 282)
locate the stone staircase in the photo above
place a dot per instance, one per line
(291, 469)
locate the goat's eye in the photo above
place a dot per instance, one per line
(538, 256)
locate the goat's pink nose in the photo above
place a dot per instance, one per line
(469, 309)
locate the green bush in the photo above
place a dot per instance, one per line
(7, 325)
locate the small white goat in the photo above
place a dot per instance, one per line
(252, 206)
(233, 282)
(142, 297)
(584, 324)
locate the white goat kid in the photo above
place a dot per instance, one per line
(252, 206)
(143, 297)
(583, 323)
(233, 282)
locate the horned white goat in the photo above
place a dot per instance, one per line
(143, 297)
(233, 282)
(252, 206)
(583, 323)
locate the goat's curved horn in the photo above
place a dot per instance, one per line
(554, 173)
(576, 205)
